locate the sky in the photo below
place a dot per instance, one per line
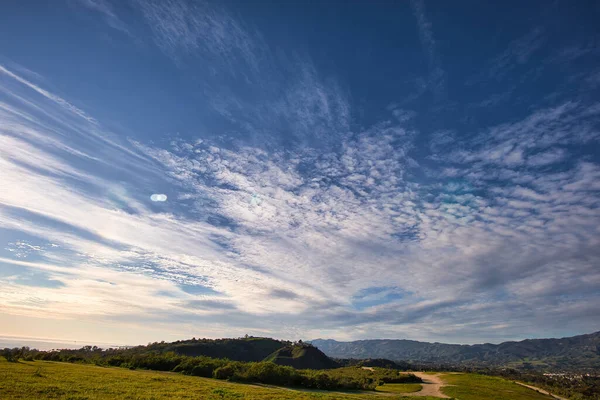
(427, 170)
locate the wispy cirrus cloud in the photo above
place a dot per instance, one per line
(518, 53)
(105, 8)
(57, 99)
(437, 76)
(194, 29)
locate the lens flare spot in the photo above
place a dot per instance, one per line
(158, 197)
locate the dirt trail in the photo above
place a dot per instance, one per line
(542, 391)
(431, 386)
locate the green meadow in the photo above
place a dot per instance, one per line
(56, 380)
(66, 381)
(399, 388)
(479, 387)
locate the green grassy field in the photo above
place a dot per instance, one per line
(53, 380)
(399, 388)
(478, 387)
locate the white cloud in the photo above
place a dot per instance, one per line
(57, 99)
(437, 76)
(548, 157)
(195, 28)
(105, 8)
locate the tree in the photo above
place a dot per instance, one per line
(11, 355)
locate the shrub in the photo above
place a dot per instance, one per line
(227, 371)
(273, 374)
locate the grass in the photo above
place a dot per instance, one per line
(478, 387)
(399, 388)
(55, 380)
(64, 381)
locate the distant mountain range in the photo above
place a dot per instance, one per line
(572, 353)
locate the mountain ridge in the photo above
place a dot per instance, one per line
(581, 352)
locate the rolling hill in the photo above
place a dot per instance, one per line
(240, 349)
(302, 356)
(572, 353)
(249, 349)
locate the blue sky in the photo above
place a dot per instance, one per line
(418, 169)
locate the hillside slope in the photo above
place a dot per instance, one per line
(241, 349)
(572, 353)
(302, 356)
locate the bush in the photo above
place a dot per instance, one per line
(228, 371)
(199, 366)
(273, 374)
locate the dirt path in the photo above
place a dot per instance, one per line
(431, 386)
(542, 391)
